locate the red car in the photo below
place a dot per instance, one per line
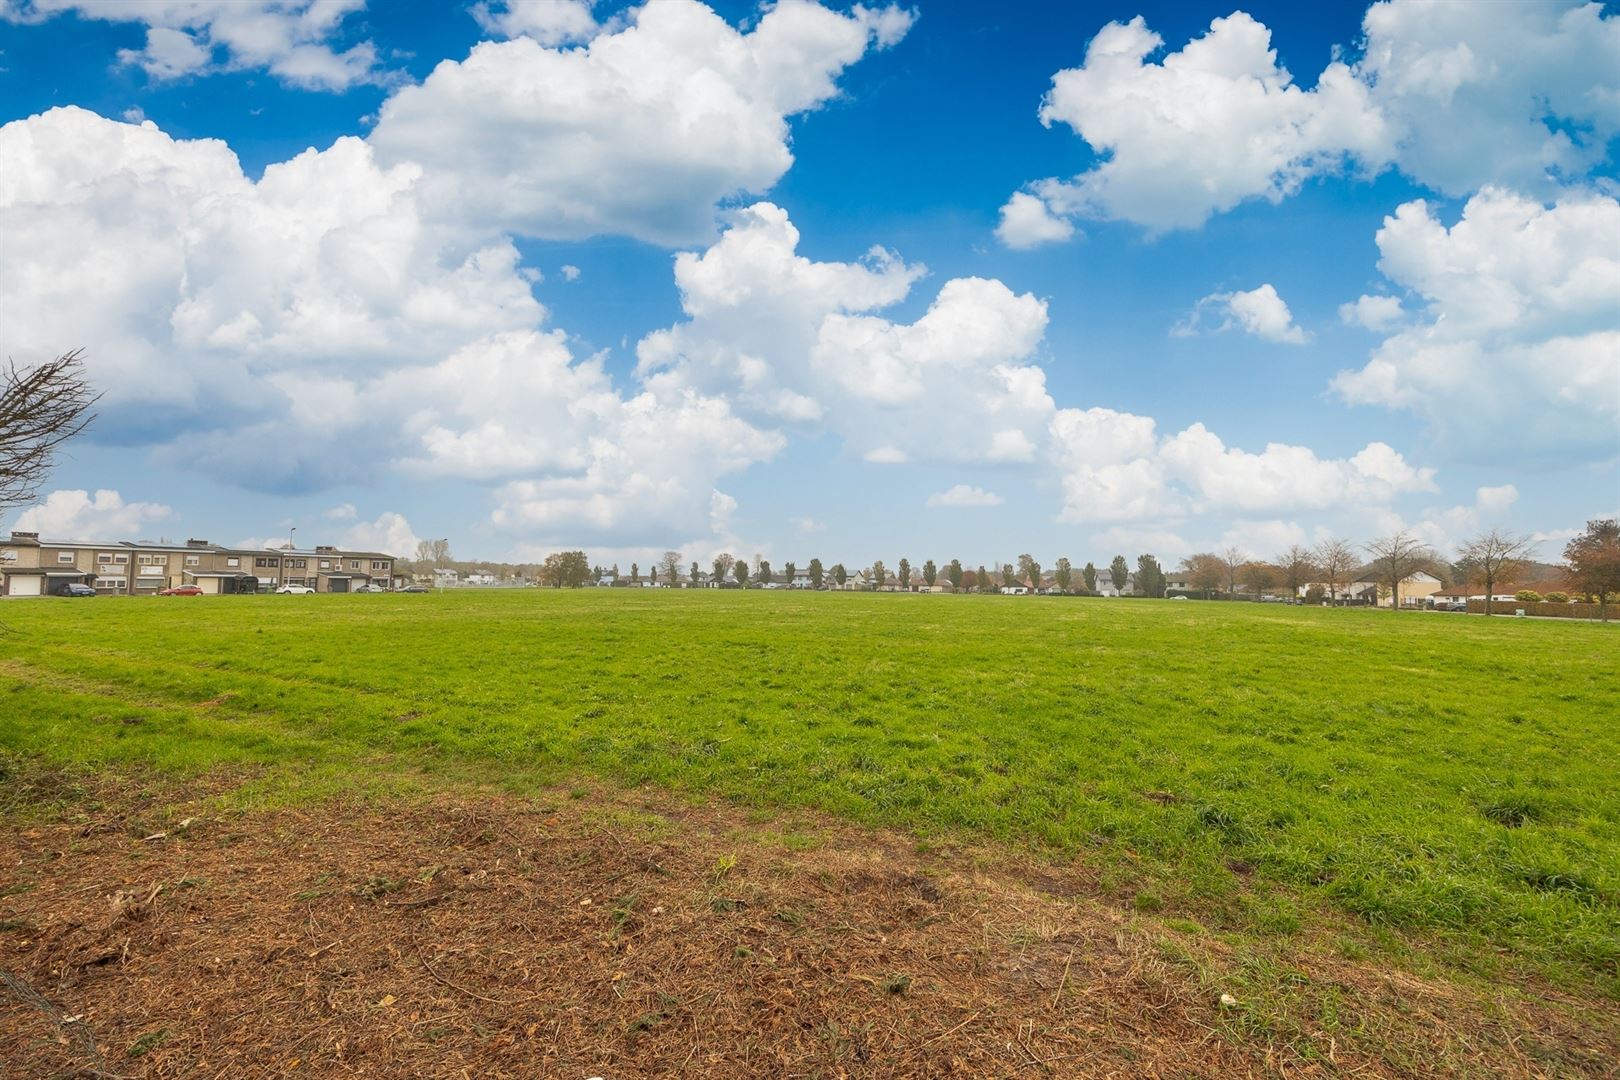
(182, 590)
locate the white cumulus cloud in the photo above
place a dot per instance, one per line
(1259, 312)
(75, 514)
(1377, 313)
(281, 334)
(1478, 93)
(1517, 347)
(1114, 467)
(1027, 222)
(550, 22)
(1457, 95)
(1202, 130)
(639, 133)
(787, 338)
(584, 459)
(389, 533)
(964, 495)
(1496, 499)
(292, 39)
(794, 339)
(886, 455)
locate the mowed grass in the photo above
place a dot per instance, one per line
(1259, 768)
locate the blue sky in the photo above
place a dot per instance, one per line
(1132, 328)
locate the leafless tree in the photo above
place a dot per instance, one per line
(1205, 571)
(671, 565)
(41, 408)
(1258, 576)
(1495, 556)
(1233, 559)
(1298, 566)
(1335, 559)
(1397, 557)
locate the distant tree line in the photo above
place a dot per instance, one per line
(1492, 560)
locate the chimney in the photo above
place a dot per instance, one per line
(324, 547)
(197, 543)
(15, 535)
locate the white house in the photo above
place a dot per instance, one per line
(1417, 589)
(1106, 587)
(480, 579)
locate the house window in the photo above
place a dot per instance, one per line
(263, 563)
(64, 556)
(378, 564)
(326, 564)
(233, 561)
(111, 584)
(104, 556)
(8, 556)
(354, 564)
(193, 560)
(296, 564)
(154, 560)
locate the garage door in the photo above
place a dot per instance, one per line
(23, 585)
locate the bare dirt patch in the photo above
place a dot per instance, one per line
(613, 934)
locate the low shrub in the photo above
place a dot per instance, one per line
(1576, 610)
(1557, 598)
(1529, 596)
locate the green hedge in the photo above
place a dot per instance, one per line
(1542, 607)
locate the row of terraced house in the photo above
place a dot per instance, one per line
(35, 566)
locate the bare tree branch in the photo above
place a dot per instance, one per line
(1396, 558)
(40, 409)
(1494, 556)
(1335, 559)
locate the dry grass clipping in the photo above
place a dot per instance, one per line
(627, 935)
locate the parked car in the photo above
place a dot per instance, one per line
(413, 588)
(73, 588)
(370, 588)
(181, 590)
(295, 590)
(1178, 598)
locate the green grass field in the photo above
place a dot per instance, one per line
(1443, 780)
